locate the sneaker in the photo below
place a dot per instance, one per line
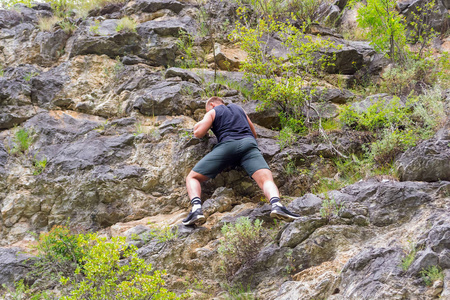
(282, 213)
(194, 217)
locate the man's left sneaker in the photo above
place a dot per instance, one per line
(282, 213)
(194, 217)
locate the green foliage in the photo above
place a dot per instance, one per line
(105, 277)
(242, 242)
(378, 115)
(432, 274)
(286, 137)
(68, 26)
(329, 208)
(94, 28)
(423, 32)
(22, 141)
(39, 165)
(87, 266)
(30, 75)
(185, 44)
(305, 11)
(238, 292)
(163, 233)
(386, 28)
(285, 83)
(397, 126)
(409, 257)
(2, 71)
(126, 24)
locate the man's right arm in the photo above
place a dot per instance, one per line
(202, 127)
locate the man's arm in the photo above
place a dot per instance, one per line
(202, 127)
(251, 126)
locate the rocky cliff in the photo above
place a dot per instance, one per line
(113, 119)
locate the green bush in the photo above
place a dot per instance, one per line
(21, 141)
(242, 242)
(329, 208)
(432, 274)
(386, 28)
(126, 24)
(87, 266)
(286, 83)
(409, 257)
(39, 165)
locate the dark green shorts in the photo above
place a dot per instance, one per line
(243, 152)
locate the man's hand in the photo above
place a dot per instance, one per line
(202, 127)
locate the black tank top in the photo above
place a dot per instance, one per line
(230, 123)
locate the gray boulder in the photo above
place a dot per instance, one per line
(106, 41)
(9, 18)
(14, 265)
(428, 161)
(166, 98)
(51, 45)
(169, 27)
(368, 274)
(150, 6)
(47, 85)
(298, 231)
(185, 75)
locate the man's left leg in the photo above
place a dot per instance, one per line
(264, 179)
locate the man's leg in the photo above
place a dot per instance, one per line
(264, 179)
(193, 181)
(194, 189)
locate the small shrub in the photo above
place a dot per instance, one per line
(94, 28)
(432, 274)
(329, 208)
(409, 257)
(185, 44)
(106, 277)
(22, 141)
(39, 165)
(164, 233)
(286, 137)
(242, 242)
(68, 26)
(30, 75)
(126, 24)
(47, 24)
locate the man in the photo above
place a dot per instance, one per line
(236, 138)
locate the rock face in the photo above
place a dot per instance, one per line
(13, 265)
(428, 161)
(114, 124)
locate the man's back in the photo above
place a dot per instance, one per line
(230, 123)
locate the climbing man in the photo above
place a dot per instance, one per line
(236, 138)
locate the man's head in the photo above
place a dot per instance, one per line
(213, 102)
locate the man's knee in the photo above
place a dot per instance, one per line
(196, 176)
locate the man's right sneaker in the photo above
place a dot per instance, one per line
(282, 213)
(194, 217)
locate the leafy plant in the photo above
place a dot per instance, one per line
(94, 28)
(285, 83)
(86, 266)
(39, 165)
(68, 26)
(242, 242)
(22, 141)
(47, 24)
(409, 257)
(286, 137)
(126, 24)
(431, 274)
(329, 208)
(185, 44)
(164, 233)
(422, 32)
(386, 28)
(30, 75)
